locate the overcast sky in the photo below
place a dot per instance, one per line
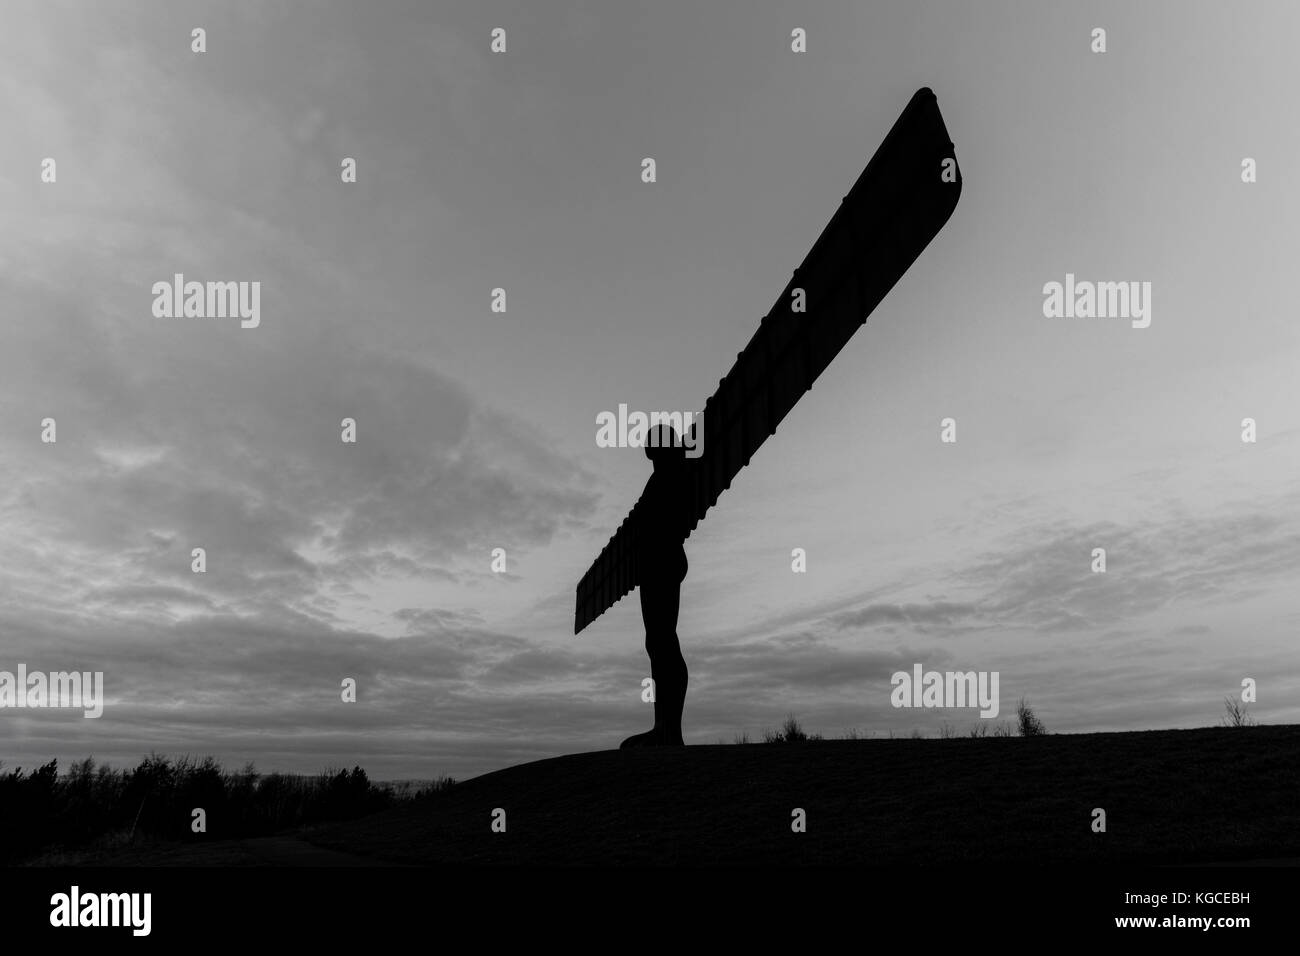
(476, 430)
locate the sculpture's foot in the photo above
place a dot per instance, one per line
(653, 738)
(648, 739)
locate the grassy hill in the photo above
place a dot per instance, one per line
(1208, 795)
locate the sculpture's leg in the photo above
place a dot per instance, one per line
(667, 665)
(660, 599)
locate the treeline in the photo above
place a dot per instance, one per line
(42, 810)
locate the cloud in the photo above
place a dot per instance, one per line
(454, 695)
(370, 560)
(918, 617)
(1168, 559)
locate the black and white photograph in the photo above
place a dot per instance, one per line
(594, 455)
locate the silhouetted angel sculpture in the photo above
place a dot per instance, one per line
(662, 561)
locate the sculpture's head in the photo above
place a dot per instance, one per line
(664, 445)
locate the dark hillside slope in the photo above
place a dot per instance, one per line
(1214, 794)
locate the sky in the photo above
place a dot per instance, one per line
(476, 429)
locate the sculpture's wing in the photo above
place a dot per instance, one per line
(898, 204)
